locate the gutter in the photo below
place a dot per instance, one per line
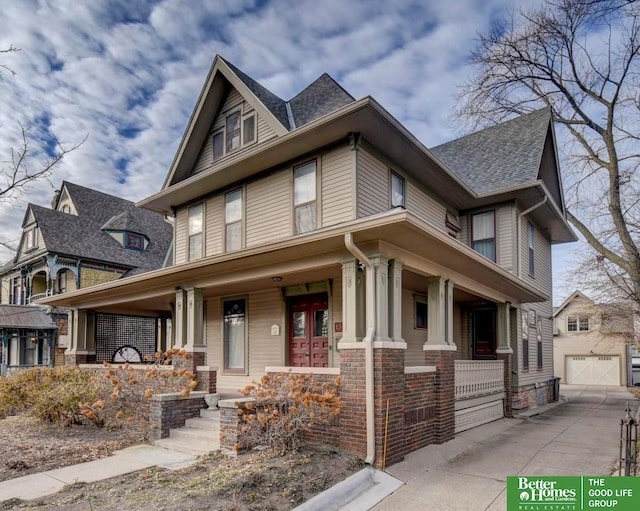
(368, 345)
(519, 228)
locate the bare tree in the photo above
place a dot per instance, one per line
(580, 59)
(18, 171)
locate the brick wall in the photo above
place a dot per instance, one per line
(168, 411)
(532, 396)
(207, 378)
(353, 419)
(389, 392)
(419, 410)
(444, 422)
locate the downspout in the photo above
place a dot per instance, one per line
(519, 229)
(368, 345)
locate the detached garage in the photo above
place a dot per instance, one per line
(591, 342)
(593, 370)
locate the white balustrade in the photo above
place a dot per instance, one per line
(478, 377)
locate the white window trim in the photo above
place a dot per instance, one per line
(578, 317)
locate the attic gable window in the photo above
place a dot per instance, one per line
(238, 131)
(134, 241)
(31, 238)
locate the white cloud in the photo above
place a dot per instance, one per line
(127, 74)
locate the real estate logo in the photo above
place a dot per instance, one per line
(537, 493)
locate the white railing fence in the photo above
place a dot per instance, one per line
(478, 377)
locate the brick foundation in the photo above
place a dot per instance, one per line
(74, 359)
(168, 411)
(531, 396)
(419, 410)
(231, 441)
(191, 362)
(444, 420)
(353, 418)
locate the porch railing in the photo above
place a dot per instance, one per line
(37, 296)
(478, 377)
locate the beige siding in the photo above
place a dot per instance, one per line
(232, 101)
(266, 308)
(213, 225)
(424, 206)
(533, 374)
(372, 186)
(415, 338)
(461, 332)
(541, 280)
(505, 232)
(464, 235)
(181, 250)
(268, 208)
(337, 191)
(6, 285)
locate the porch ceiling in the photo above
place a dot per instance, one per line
(306, 258)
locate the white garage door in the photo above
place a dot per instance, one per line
(593, 370)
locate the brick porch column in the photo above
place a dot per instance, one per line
(440, 351)
(353, 416)
(389, 381)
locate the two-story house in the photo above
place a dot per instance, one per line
(319, 233)
(592, 342)
(86, 238)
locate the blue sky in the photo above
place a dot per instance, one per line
(127, 73)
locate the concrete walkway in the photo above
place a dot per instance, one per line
(122, 462)
(580, 437)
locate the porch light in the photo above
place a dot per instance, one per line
(276, 278)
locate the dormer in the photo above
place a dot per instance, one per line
(30, 234)
(124, 229)
(62, 202)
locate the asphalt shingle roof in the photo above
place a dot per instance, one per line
(499, 157)
(24, 316)
(320, 98)
(83, 235)
(272, 102)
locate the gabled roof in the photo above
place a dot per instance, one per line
(25, 316)
(273, 103)
(571, 298)
(500, 157)
(320, 98)
(83, 235)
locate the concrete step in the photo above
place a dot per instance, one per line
(188, 446)
(210, 413)
(193, 434)
(202, 423)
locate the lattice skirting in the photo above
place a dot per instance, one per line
(478, 415)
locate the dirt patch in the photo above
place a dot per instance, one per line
(251, 482)
(28, 446)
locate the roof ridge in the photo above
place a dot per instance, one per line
(317, 80)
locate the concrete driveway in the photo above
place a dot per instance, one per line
(579, 437)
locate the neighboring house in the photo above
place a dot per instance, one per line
(86, 238)
(320, 233)
(592, 342)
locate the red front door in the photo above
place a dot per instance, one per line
(309, 331)
(483, 332)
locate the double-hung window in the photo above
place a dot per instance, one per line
(577, 323)
(31, 238)
(232, 128)
(196, 217)
(397, 190)
(235, 334)
(233, 220)
(304, 197)
(238, 131)
(483, 232)
(531, 238)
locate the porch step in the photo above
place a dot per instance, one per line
(199, 436)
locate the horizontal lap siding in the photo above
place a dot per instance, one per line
(372, 185)
(415, 338)
(265, 132)
(543, 312)
(505, 234)
(268, 208)
(424, 206)
(213, 225)
(464, 230)
(337, 186)
(181, 249)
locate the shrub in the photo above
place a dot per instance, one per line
(285, 406)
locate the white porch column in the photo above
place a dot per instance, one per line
(195, 318)
(503, 328)
(395, 305)
(349, 301)
(439, 314)
(381, 270)
(180, 320)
